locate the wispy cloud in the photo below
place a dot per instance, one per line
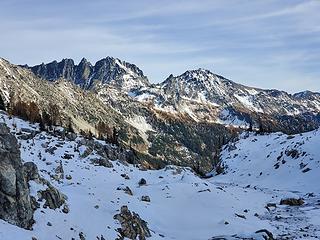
(262, 43)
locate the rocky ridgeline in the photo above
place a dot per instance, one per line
(105, 71)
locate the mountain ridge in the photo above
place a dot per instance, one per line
(158, 120)
(105, 70)
(84, 61)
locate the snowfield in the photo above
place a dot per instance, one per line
(182, 205)
(274, 160)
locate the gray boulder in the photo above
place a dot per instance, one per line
(292, 201)
(15, 202)
(71, 136)
(53, 198)
(145, 198)
(30, 171)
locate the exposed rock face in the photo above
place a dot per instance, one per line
(132, 226)
(55, 70)
(15, 203)
(107, 70)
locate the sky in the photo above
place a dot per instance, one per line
(266, 44)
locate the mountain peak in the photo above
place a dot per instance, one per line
(195, 77)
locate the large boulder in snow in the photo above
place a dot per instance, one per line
(30, 171)
(132, 226)
(53, 197)
(15, 203)
(292, 201)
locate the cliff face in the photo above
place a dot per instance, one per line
(15, 203)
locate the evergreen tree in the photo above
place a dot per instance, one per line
(33, 112)
(115, 136)
(54, 112)
(46, 119)
(70, 128)
(42, 127)
(2, 104)
(261, 128)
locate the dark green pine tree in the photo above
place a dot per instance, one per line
(2, 104)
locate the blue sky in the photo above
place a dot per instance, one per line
(267, 44)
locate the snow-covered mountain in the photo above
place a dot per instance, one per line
(80, 187)
(205, 96)
(156, 142)
(197, 95)
(158, 120)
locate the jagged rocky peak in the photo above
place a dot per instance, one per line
(119, 73)
(83, 72)
(55, 70)
(108, 70)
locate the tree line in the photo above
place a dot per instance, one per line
(30, 111)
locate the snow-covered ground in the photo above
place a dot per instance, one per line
(286, 166)
(182, 205)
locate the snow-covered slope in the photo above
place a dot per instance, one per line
(182, 206)
(287, 162)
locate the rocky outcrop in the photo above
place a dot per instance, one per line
(107, 152)
(102, 162)
(15, 202)
(132, 226)
(53, 198)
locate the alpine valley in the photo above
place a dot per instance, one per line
(110, 155)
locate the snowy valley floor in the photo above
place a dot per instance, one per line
(182, 206)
